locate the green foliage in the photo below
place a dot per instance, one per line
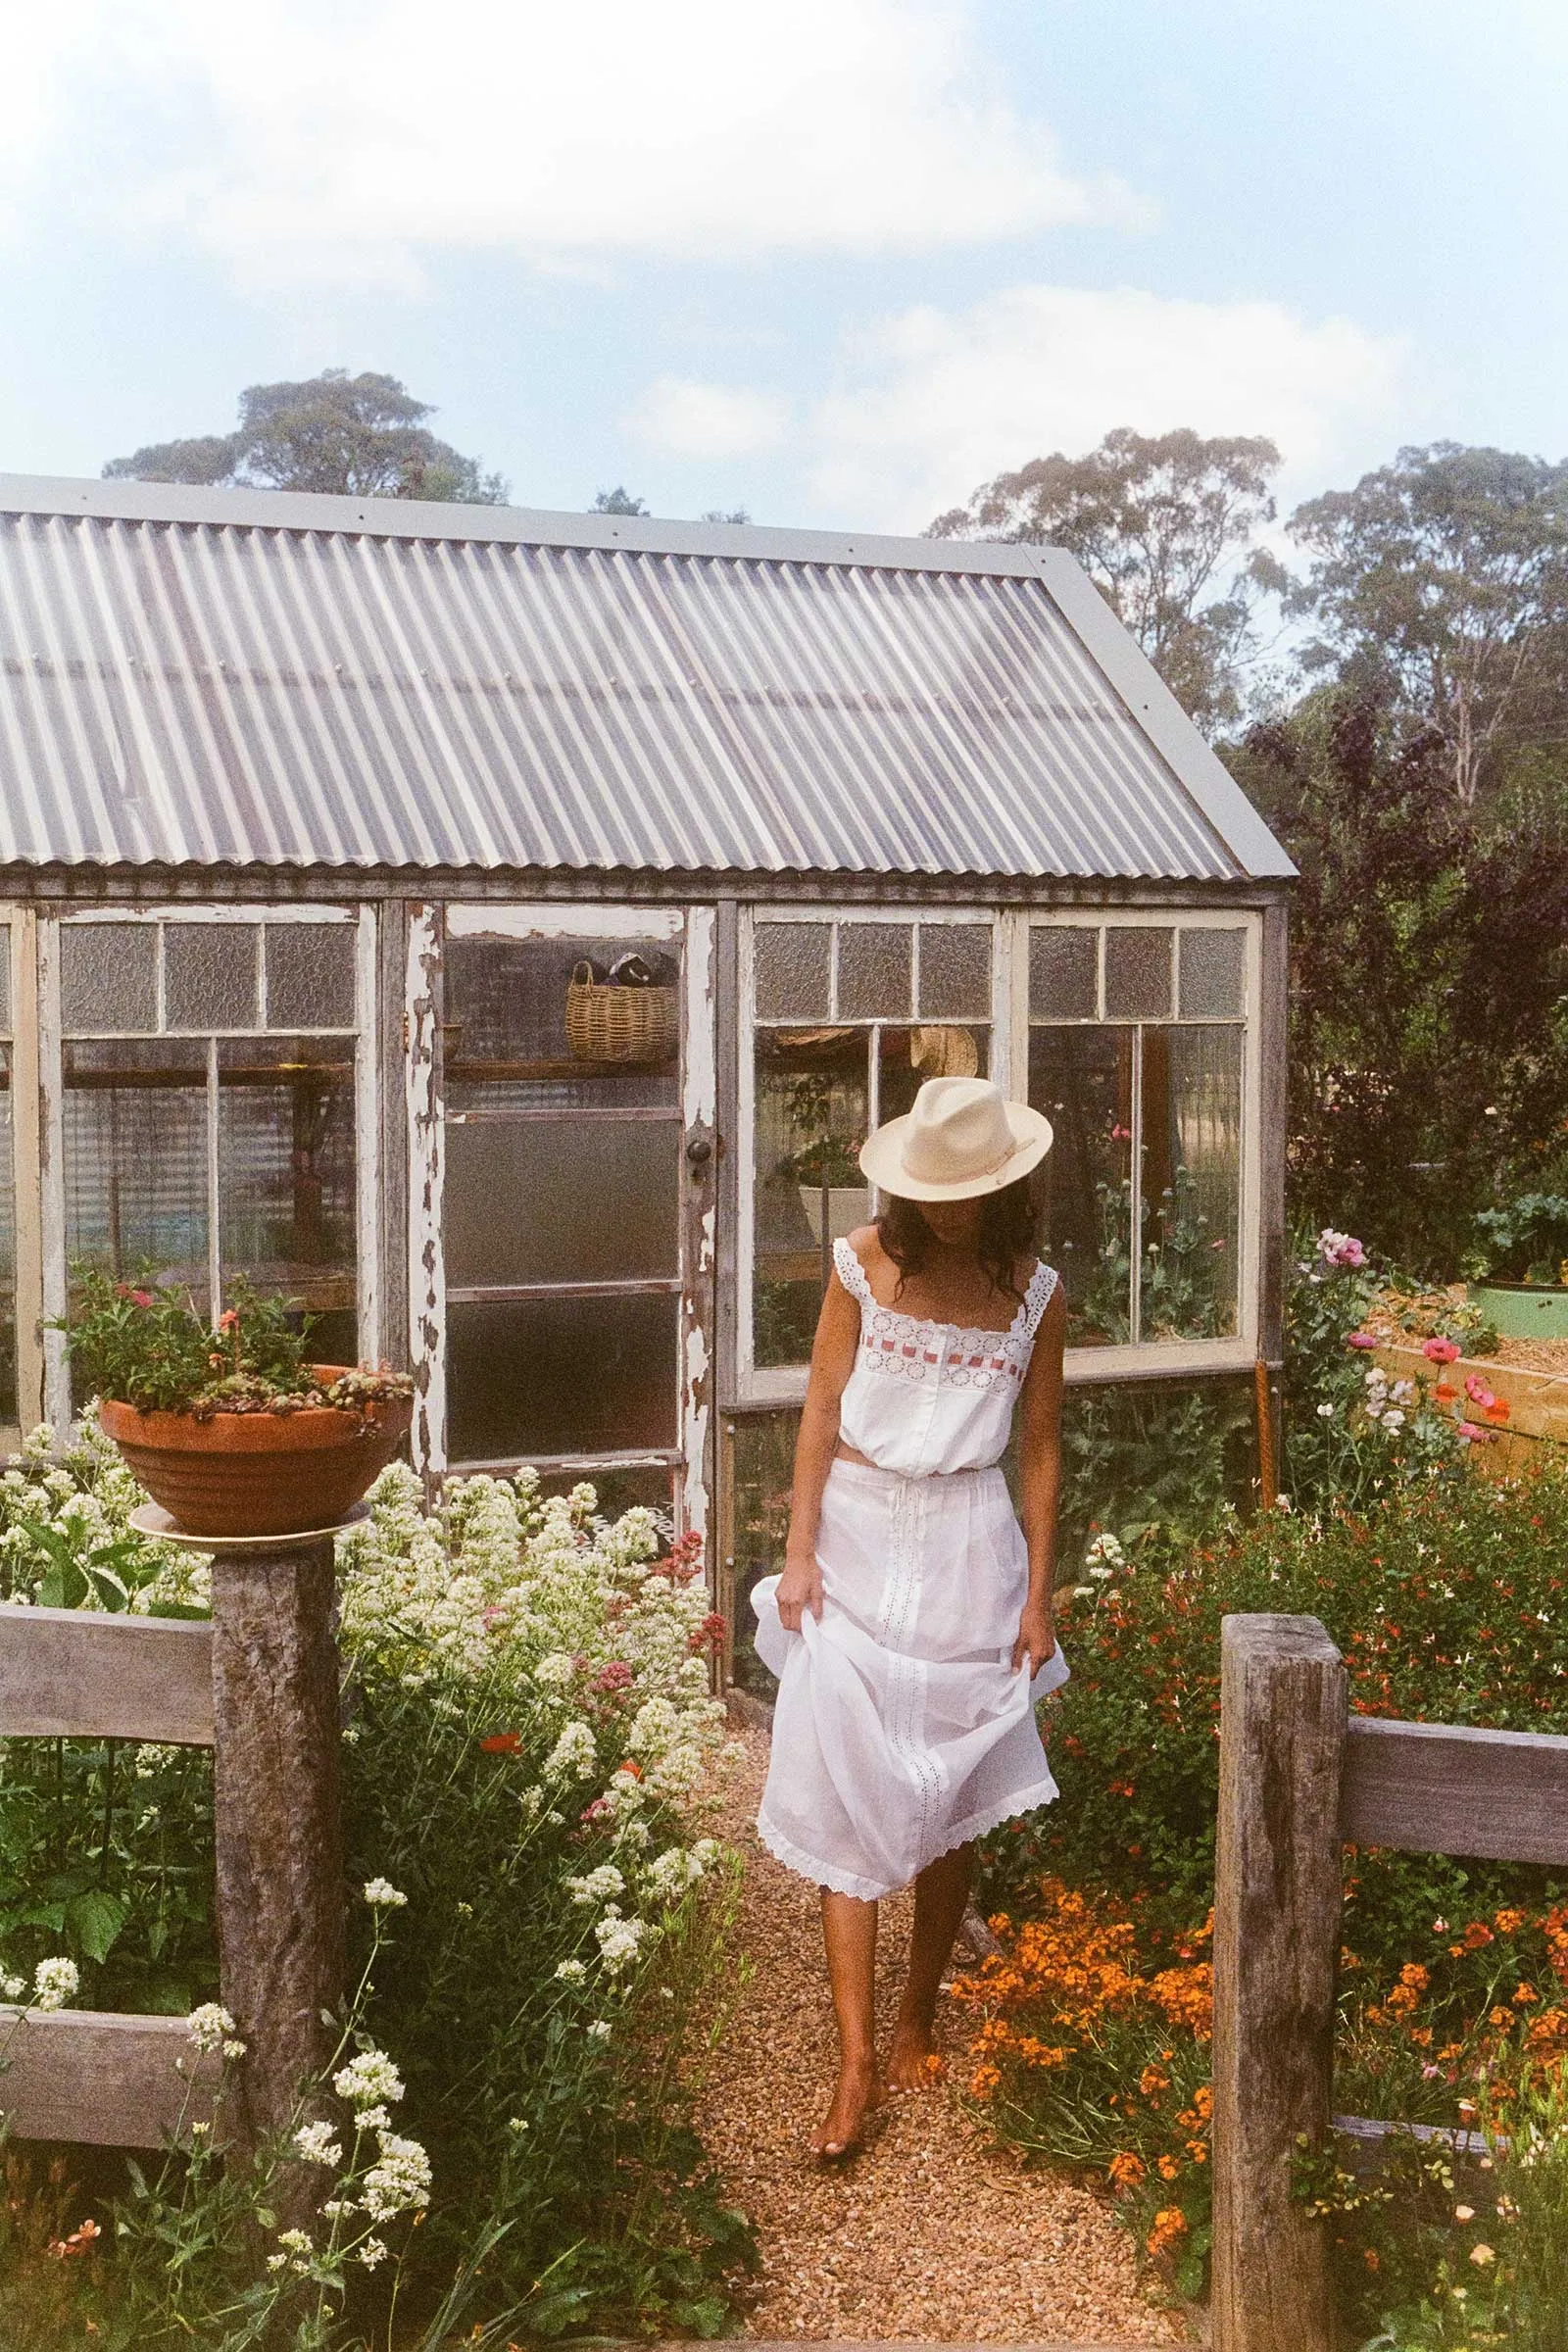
(359, 436)
(1526, 1241)
(1153, 521)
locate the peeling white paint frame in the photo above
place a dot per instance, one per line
(424, 1094)
(698, 1223)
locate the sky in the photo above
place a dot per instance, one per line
(837, 262)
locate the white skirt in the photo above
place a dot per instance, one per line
(901, 1728)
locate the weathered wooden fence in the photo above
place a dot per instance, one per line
(1299, 1778)
(259, 1684)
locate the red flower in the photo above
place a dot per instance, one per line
(613, 1677)
(141, 1297)
(1445, 1392)
(502, 1744)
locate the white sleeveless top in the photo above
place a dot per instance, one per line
(928, 1399)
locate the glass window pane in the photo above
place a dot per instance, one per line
(792, 962)
(812, 1118)
(1213, 974)
(1192, 1183)
(135, 1154)
(573, 1199)
(1063, 982)
(506, 1036)
(1082, 1080)
(762, 1471)
(5, 978)
(108, 978)
(209, 975)
(8, 1251)
(561, 1376)
(930, 1050)
(309, 976)
(875, 961)
(956, 971)
(286, 1207)
(1138, 973)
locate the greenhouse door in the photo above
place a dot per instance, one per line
(575, 1181)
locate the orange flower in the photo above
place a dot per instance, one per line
(1126, 2170)
(1169, 2166)
(1170, 2225)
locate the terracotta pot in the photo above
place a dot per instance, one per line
(259, 1474)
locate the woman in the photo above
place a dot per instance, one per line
(910, 1629)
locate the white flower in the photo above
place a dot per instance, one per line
(556, 1671)
(571, 1972)
(371, 2252)
(382, 1895)
(573, 1752)
(1393, 1419)
(1325, 1412)
(399, 2179)
(599, 2029)
(53, 1984)
(209, 2025)
(316, 2143)
(618, 1939)
(1104, 1553)
(367, 2079)
(12, 1988)
(598, 1886)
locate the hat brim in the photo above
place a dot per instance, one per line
(882, 1160)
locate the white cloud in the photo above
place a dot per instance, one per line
(930, 403)
(296, 140)
(679, 419)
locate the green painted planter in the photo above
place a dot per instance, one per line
(1522, 1310)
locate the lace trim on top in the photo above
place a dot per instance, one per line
(959, 1356)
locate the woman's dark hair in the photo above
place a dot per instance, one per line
(1006, 1234)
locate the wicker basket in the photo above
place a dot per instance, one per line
(619, 1024)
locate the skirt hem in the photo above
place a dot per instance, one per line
(870, 1890)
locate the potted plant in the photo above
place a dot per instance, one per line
(831, 1187)
(1524, 1254)
(232, 1429)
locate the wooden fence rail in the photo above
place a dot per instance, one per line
(258, 1684)
(1299, 1778)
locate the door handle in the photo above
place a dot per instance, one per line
(698, 1152)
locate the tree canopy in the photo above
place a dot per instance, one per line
(1440, 585)
(359, 436)
(1161, 524)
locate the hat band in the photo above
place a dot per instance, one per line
(962, 1175)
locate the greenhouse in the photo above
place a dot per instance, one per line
(496, 930)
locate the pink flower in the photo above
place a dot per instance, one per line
(1362, 1339)
(1340, 1249)
(1482, 1437)
(1478, 1394)
(141, 1297)
(1440, 1351)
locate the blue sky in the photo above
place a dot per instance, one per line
(837, 259)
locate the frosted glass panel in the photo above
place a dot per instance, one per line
(108, 978)
(1192, 1178)
(1082, 1080)
(874, 971)
(573, 1199)
(956, 971)
(210, 973)
(1213, 974)
(561, 1376)
(1063, 985)
(792, 970)
(309, 976)
(1138, 973)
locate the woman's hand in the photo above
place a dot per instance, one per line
(1037, 1640)
(800, 1589)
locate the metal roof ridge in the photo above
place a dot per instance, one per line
(522, 526)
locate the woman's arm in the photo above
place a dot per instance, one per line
(838, 1335)
(1040, 1481)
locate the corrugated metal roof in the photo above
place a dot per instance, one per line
(226, 691)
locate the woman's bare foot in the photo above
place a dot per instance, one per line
(913, 2061)
(860, 2091)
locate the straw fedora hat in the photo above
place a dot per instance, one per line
(961, 1139)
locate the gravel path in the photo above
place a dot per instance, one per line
(927, 2235)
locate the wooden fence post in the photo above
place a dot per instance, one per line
(278, 1830)
(1276, 1949)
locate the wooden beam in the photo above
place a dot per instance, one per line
(1276, 1947)
(94, 2076)
(1445, 1789)
(79, 1674)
